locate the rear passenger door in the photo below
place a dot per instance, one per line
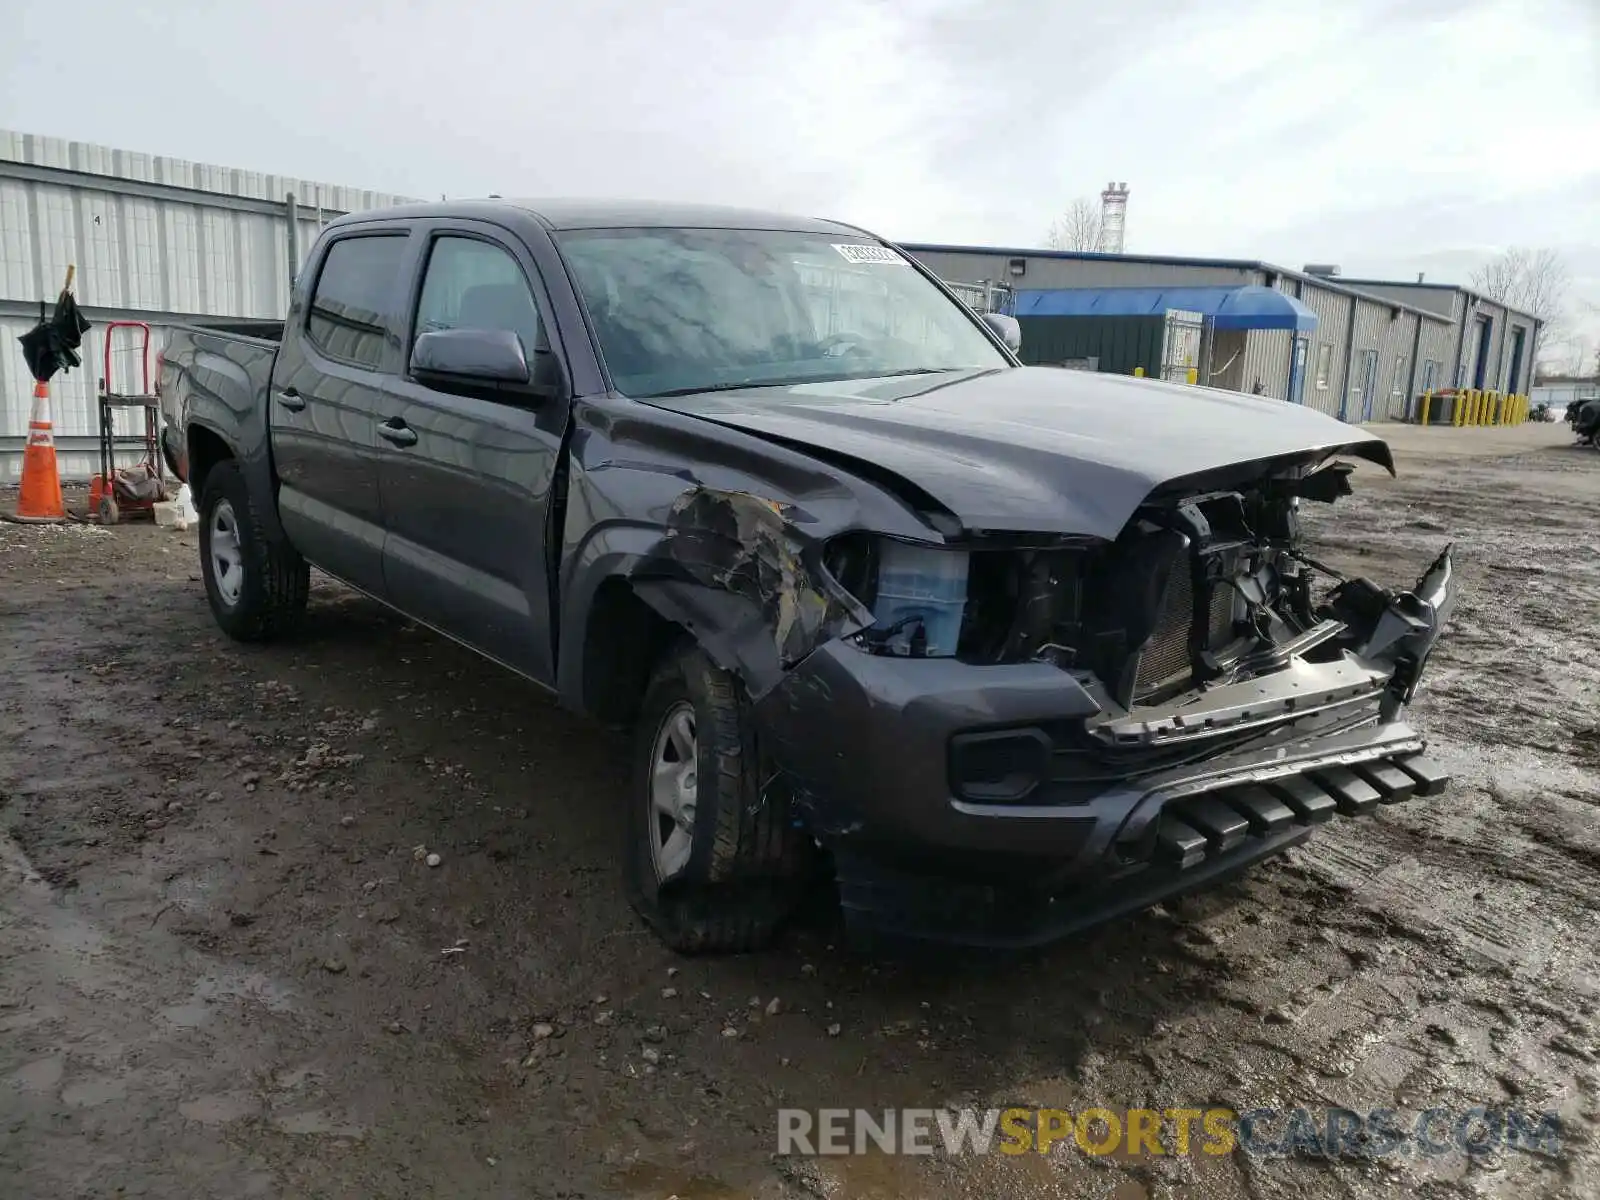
(466, 476)
(328, 392)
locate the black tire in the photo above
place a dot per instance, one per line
(269, 597)
(748, 861)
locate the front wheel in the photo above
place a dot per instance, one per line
(714, 859)
(257, 586)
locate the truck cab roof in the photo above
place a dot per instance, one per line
(558, 214)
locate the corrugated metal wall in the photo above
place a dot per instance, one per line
(1460, 360)
(180, 172)
(135, 253)
(1438, 344)
(1266, 362)
(1333, 327)
(161, 240)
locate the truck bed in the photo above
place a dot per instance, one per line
(231, 360)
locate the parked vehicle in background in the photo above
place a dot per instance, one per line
(1584, 417)
(1009, 650)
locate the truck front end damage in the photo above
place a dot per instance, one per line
(1004, 738)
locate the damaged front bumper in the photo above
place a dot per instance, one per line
(1012, 804)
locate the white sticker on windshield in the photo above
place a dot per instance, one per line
(878, 255)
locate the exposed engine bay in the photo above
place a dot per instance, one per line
(1200, 594)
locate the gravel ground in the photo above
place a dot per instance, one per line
(230, 971)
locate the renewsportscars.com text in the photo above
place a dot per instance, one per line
(1321, 1133)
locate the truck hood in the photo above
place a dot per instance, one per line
(1033, 449)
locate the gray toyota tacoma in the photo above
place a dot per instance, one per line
(1009, 651)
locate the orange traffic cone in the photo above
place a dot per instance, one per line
(40, 498)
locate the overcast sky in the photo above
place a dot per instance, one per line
(1389, 136)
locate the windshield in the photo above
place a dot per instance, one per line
(687, 310)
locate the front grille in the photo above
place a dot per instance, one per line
(1165, 660)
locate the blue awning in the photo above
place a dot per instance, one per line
(1247, 307)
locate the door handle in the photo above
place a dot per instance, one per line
(397, 432)
(291, 399)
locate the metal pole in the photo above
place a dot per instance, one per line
(292, 211)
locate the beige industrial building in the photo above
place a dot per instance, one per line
(1356, 349)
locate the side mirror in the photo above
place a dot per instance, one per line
(1007, 329)
(470, 356)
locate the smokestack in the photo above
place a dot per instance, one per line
(1113, 217)
(1419, 276)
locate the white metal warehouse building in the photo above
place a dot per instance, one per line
(159, 240)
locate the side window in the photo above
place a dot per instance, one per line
(355, 302)
(477, 285)
(1324, 365)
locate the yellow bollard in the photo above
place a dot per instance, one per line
(1427, 403)
(1472, 406)
(1455, 408)
(1138, 372)
(1194, 375)
(1494, 408)
(1477, 406)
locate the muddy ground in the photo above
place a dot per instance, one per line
(224, 971)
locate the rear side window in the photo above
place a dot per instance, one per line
(354, 305)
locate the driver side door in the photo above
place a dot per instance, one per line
(466, 476)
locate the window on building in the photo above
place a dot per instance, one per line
(1398, 387)
(353, 307)
(1324, 365)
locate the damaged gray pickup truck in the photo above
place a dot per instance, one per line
(1010, 651)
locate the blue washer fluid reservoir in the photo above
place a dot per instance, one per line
(920, 587)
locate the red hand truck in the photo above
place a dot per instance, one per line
(115, 493)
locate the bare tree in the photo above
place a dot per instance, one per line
(1079, 228)
(1532, 281)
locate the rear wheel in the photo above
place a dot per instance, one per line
(714, 860)
(257, 586)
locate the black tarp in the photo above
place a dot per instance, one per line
(52, 345)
